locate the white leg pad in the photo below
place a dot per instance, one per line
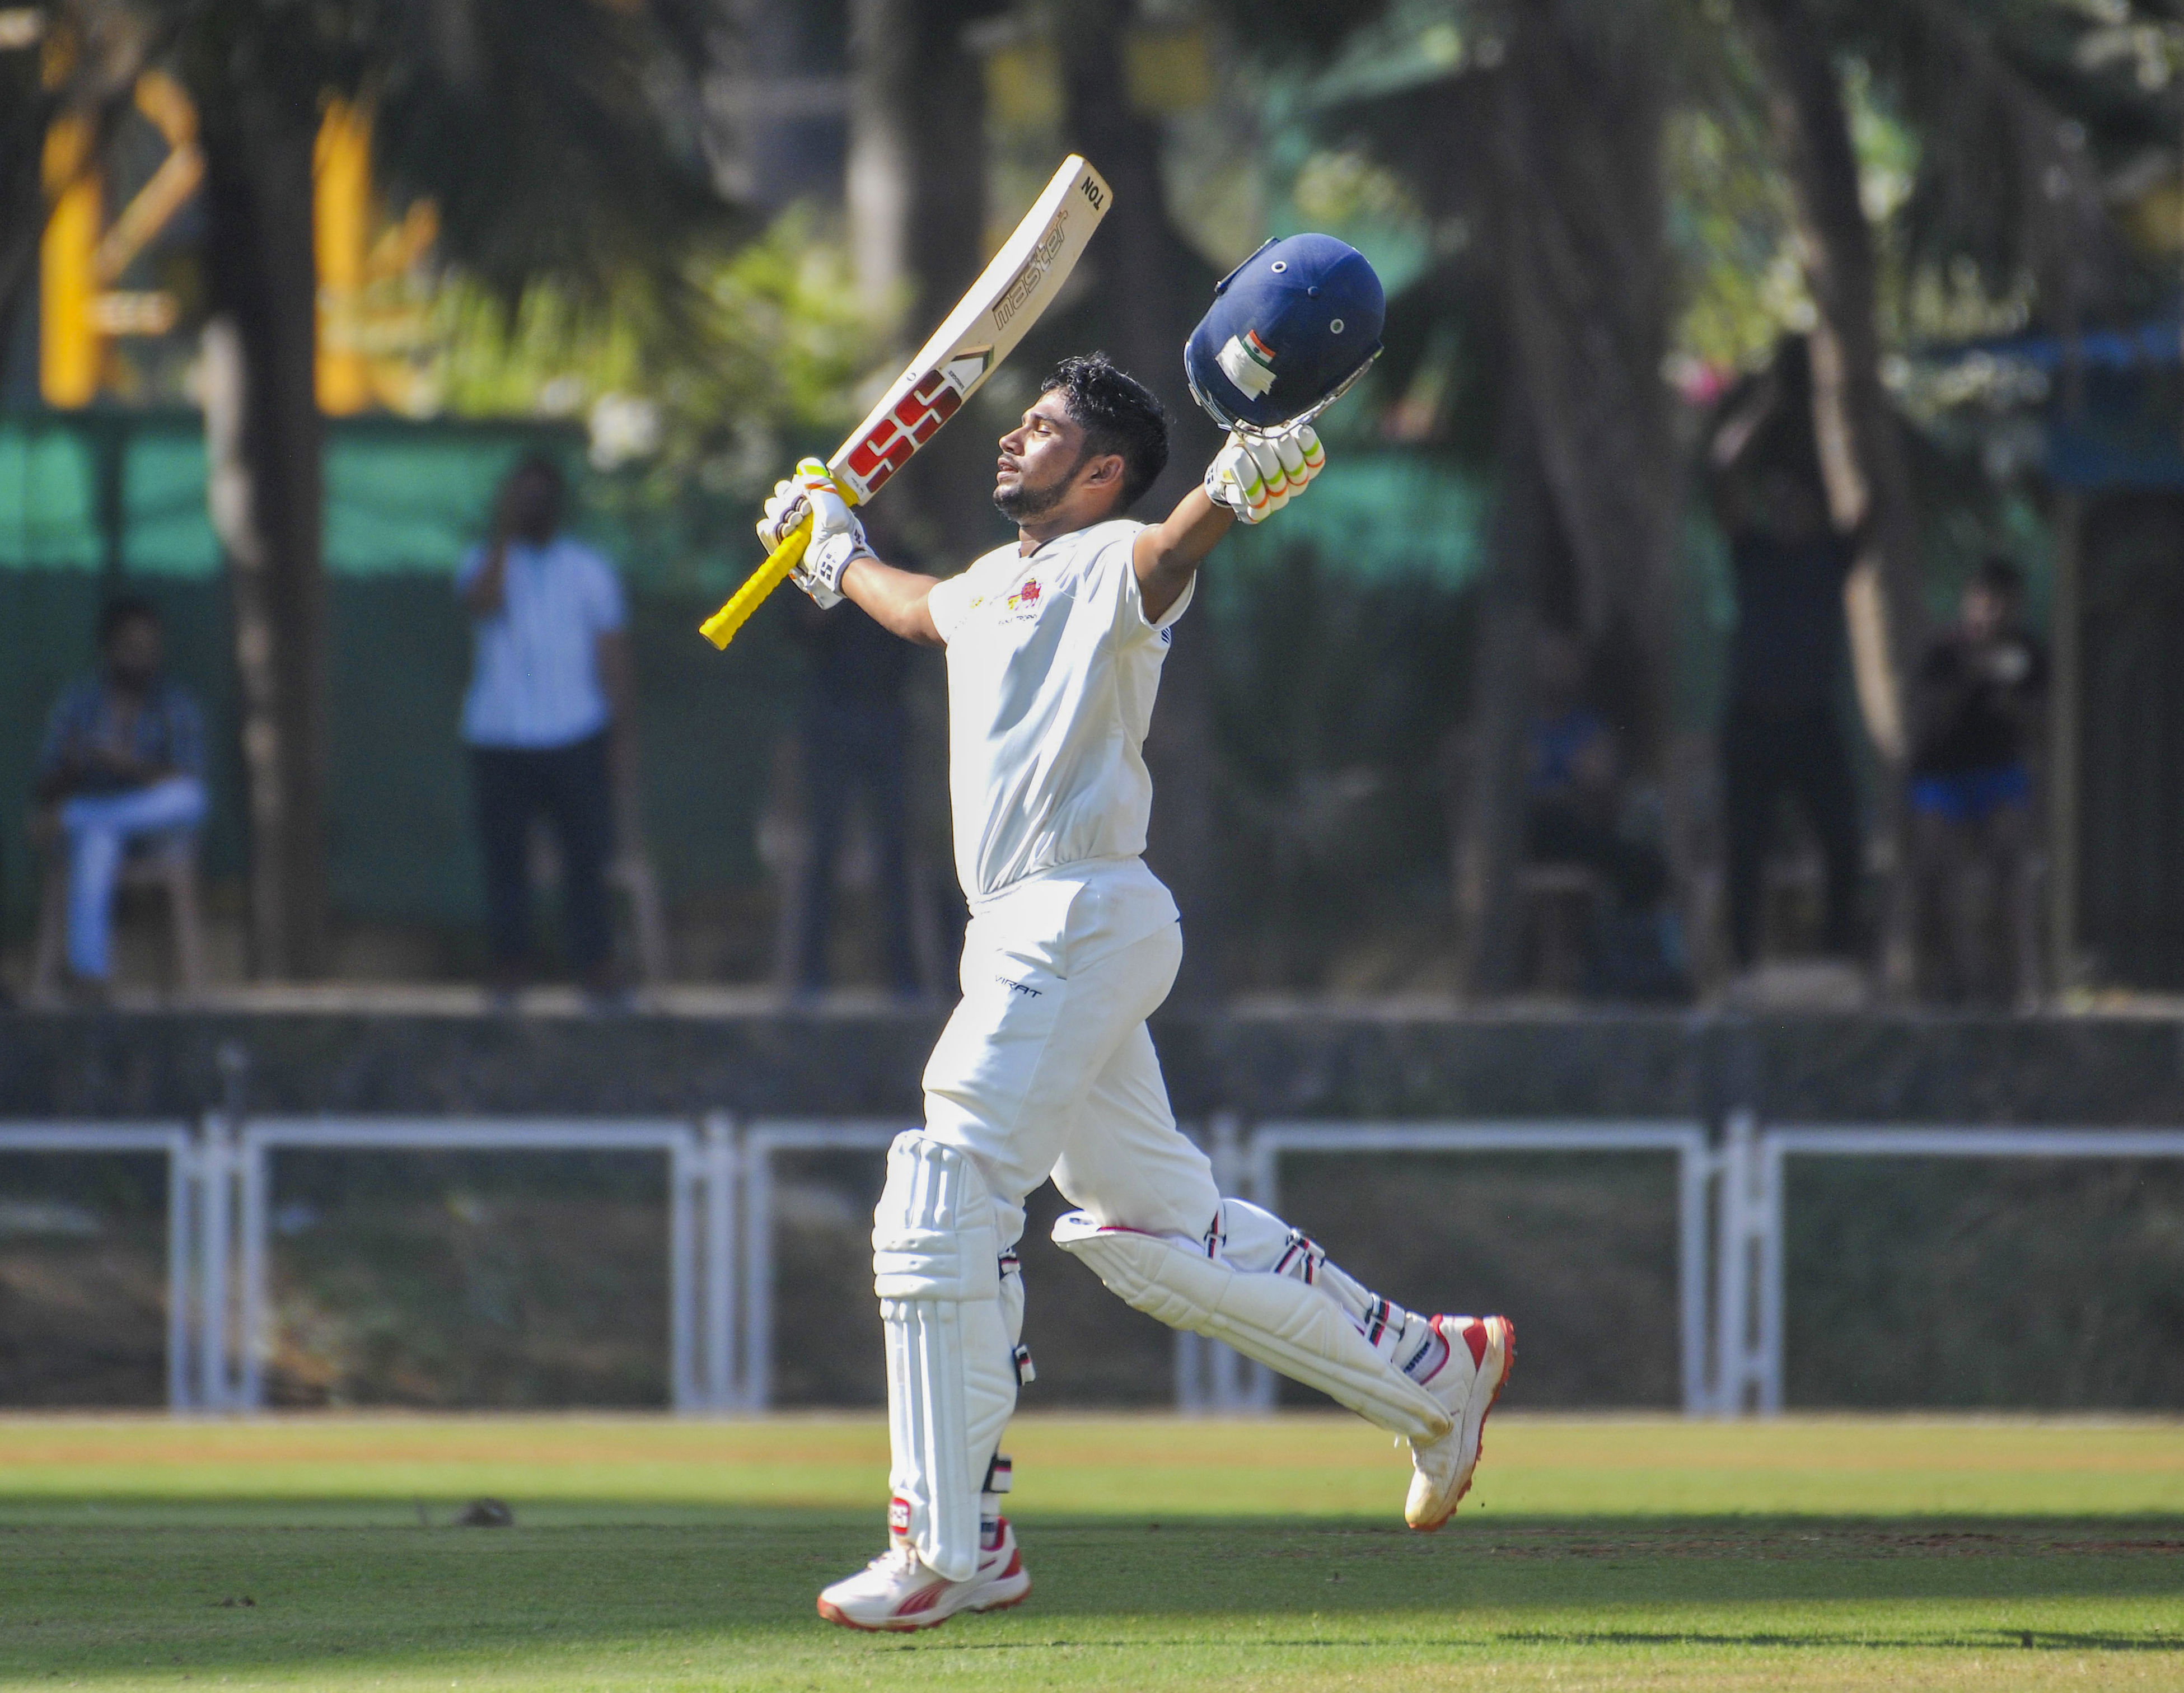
(1280, 1321)
(951, 1374)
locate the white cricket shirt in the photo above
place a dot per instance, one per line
(1052, 669)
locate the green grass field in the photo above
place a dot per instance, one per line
(1597, 1553)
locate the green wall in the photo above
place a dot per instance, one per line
(1344, 625)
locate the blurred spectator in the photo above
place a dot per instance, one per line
(1573, 773)
(1780, 733)
(123, 763)
(855, 728)
(547, 723)
(1575, 802)
(1979, 695)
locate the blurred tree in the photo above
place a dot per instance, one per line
(1542, 145)
(916, 195)
(1573, 196)
(763, 367)
(2006, 181)
(1149, 290)
(560, 140)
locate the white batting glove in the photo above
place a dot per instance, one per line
(837, 536)
(1256, 476)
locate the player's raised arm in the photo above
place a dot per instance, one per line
(895, 600)
(839, 563)
(1251, 477)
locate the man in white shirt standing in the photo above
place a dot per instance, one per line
(547, 723)
(1054, 651)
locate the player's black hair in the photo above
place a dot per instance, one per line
(1998, 575)
(119, 612)
(1118, 413)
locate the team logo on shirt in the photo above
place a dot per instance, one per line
(1026, 596)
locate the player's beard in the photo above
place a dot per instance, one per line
(1027, 504)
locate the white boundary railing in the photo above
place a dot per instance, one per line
(1751, 1345)
(761, 1141)
(721, 1224)
(1687, 1141)
(173, 1139)
(699, 1349)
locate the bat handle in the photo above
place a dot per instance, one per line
(721, 627)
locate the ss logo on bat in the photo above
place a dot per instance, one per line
(906, 427)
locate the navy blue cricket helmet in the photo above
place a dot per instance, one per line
(1289, 329)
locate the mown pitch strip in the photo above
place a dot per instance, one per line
(318, 1552)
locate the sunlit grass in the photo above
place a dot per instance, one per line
(1607, 1553)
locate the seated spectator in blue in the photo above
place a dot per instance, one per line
(1980, 692)
(123, 763)
(1575, 794)
(1573, 780)
(547, 723)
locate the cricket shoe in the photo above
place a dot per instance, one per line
(1481, 1349)
(898, 1591)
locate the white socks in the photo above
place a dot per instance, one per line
(1251, 1239)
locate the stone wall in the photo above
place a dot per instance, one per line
(1873, 1068)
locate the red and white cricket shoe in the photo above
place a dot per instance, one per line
(897, 1592)
(1481, 1351)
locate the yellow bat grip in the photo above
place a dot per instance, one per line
(721, 627)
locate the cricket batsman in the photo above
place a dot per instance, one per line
(1054, 645)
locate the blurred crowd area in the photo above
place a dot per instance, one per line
(1749, 575)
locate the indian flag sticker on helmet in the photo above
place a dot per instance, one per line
(1306, 305)
(1248, 362)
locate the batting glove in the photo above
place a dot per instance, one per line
(837, 536)
(1255, 475)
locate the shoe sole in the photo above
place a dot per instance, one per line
(1508, 1335)
(909, 1625)
(1006, 1602)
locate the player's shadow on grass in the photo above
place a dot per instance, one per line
(1977, 1639)
(1987, 1640)
(1090, 1567)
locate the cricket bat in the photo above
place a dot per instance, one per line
(1003, 303)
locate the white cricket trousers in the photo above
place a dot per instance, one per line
(1047, 1068)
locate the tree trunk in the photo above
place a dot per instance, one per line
(1862, 458)
(878, 176)
(264, 439)
(953, 478)
(917, 191)
(1149, 290)
(1486, 801)
(1575, 175)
